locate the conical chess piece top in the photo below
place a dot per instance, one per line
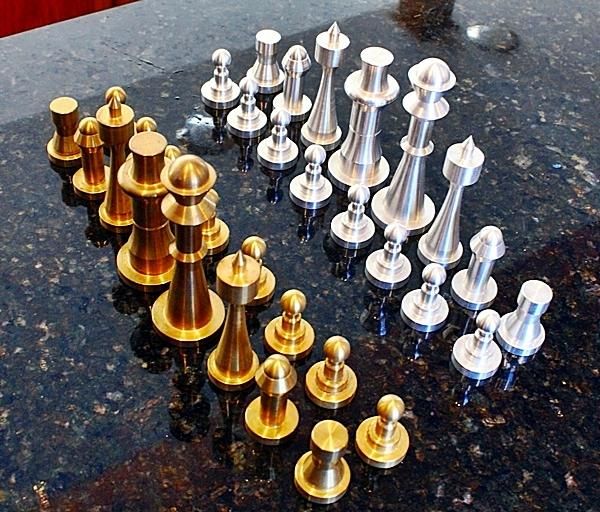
(266, 71)
(115, 90)
(388, 268)
(256, 247)
(247, 120)
(146, 124)
(425, 309)
(172, 152)
(278, 152)
(220, 92)
(61, 148)
(353, 229)
(296, 64)
(91, 180)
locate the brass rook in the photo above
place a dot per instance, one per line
(61, 148)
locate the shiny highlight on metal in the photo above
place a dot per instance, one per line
(247, 121)
(215, 233)
(424, 309)
(296, 64)
(311, 190)
(256, 247)
(220, 92)
(278, 152)
(266, 71)
(388, 268)
(145, 124)
(91, 180)
(353, 229)
(61, 148)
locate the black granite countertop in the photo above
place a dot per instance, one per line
(111, 419)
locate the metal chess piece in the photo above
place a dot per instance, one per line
(353, 229)
(246, 121)
(172, 152)
(215, 233)
(266, 71)
(256, 248)
(462, 167)
(474, 288)
(360, 160)
(311, 190)
(91, 180)
(476, 355)
(405, 201)
(388, 268)
(382, 441)
(521, 332)
(296, 64)
(220, 92)
(278, 152)
(322, 127)
(61, 148)
(424, 309)
(145, 124)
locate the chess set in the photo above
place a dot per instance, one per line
(166, 200)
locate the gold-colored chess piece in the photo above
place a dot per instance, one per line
(188, 312)
(172, 152)
(289, 334)
(91, 180)
(272, 417)
(214, 231)
(322, 475)
(232, 365)
(146, 124)
(144, 262)
(331, 383)
(115, 90)
(116, 128)
(382, 441)
(61, 148)
(255, 247)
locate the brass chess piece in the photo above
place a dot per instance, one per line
(91, 180)
(146, 124)
(172, 152)
(255, 247)
(215, 233)
(61, 148)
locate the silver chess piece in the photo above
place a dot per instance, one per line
(296, 64)
(220, 92)
(462, 167)
(474, 288)
(311, 190)
(360, 160)
(278, 152)
(353, 229)
(388, 268)
(521, 332)
(424, 309)
(322, 125)
(246, 120)
(266, 71)
(476, 355)
(405, 201)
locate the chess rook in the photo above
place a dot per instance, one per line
(256, 248)
(311, 190)
(247, 121)
(388, 268)
(91, 181)
(61, 148)
(220, 92)
(266, 71)
(215, 233)
(425, 310)
(353, 229)
(296, 64)
(278, 152)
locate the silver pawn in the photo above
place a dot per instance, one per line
(521, 332)
(360, 160)
(405, 201)
(266, 70)
(353, 229)
(322, 126)
(296, 63)
(462, 167)
(278, 152)
(474, 288)
(424, 309)
(247, 121)
(220, 92)
(311, 190)
(388, 268)
(476, 355)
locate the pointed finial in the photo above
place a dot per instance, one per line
(255, 247)
(114, 106)
(239, 262)
(115, 90)
(334, 32)
(146, 124)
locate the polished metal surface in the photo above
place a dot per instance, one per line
(353, 229)
(146, 124)
(322, 125)
(61, 148)
(220, 92)
(360, 160)
(388, 268)
(311, 190)
(215, 233)
(256, 248)
(424, 309)
(278, 152)
(521, 332)
(405, 201)
(474, 287)
(266, 71)
(91, 180)
(247, 121)
(296, 64)
(462, 167)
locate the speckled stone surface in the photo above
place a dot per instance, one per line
(112, 419)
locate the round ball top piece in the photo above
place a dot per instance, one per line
(221, 57)
(432, 74)
(146, 124)
(488, 321)
(276, 376)
(329, 436)
(255, 247)
(315, 154)
(189, 175)
(434, 274)
(248, 86)
(336, 349)
(390, 408)
(277, 367)
(89, 126)
(377, 57)
(293, 302)
(488, 243)
(358, 194)
(280, 117)
(115, 90)
(395, 233)
(172, 152)
(296, 59)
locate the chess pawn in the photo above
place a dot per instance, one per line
(232, 365)
(296, 64)
(462, 168)
(246, 120)
(256, 248)
(311, 190)
(188, 312)
(220, 92)
(91, 180)
(476, 355)
(321, 127)
(289, 334)
(115, 90)
(360, 160)
(278, 152)
(474, 288)
(116, 128)
(405, 201)
(266, 71)
(353, 229)
(322, 475)
(271, 418)
(521, 332)
(424, 309)
(144, 262)
(382, 441)
(388, 268)
(215, 233)
(331, 384)
(172, 152)
(145, 124)
(61, 148)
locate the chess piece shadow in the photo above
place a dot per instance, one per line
(465, 389)
(219, 131)
(293, 132)
(253, 322)
(198, 137)
(309, 222)
(245, 161)
(417, 345)
(268, 461)
(507, 374)
(210, 266)
(154, 353)
(381, 308)
(343, 261)
(274, 194)
(264, 102)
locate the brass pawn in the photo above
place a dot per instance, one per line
(272, 417)
(215, 233)
(115, 90)
(91, 180)
(332, 384)
(322, 475)
(146, 124)
(256, 248)
(172, 152)
(61, 148)
(289, 334)
(382, 441)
